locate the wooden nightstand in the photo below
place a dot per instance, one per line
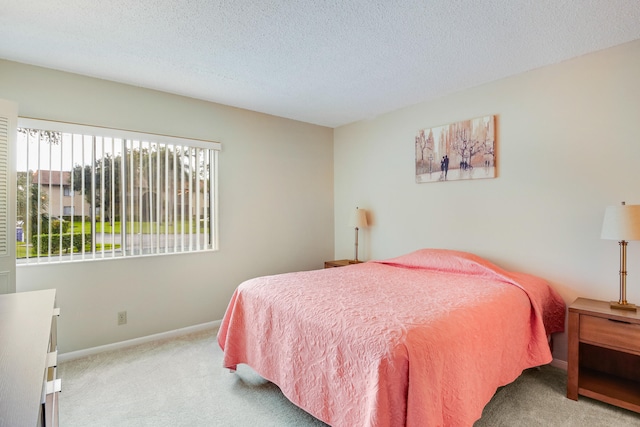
(604, 354)
(340, 263)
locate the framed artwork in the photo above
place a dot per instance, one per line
(457, 151)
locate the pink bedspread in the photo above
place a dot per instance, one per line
(424, 339)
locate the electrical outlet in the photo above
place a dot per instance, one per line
(122, 318)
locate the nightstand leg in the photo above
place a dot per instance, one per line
(573, 356)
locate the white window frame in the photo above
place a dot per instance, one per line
(142, 141)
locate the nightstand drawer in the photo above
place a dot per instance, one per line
(611, 333)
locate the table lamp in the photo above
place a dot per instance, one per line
(622, 223)
(358, 220)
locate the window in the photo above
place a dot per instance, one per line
(87, 193)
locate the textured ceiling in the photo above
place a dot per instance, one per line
(328, 62)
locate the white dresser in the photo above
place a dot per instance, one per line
(28, 358)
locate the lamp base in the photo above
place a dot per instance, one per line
(618, 306)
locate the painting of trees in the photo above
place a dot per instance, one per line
(462, 150)
(467, 142)
(424, 151)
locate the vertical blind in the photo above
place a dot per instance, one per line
(95, 193)
(4, 185)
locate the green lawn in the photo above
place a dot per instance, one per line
(21, 250)
(115, 228)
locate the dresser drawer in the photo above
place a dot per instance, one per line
(611, 333)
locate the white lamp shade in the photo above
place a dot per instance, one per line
(621, 222)
(359, 218)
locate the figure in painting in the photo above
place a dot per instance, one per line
(446, 166)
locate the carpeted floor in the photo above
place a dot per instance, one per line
(181, 382)
(538, 398)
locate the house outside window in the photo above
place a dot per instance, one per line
(92, 193)
(52, 188)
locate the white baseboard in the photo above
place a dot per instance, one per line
(562, 364)
(128, 343)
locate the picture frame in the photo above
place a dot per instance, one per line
(464, 150)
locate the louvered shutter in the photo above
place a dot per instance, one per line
(8, 120)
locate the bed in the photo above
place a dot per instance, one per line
(423, 339)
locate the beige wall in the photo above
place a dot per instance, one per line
(568, 146)
(276, 207)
